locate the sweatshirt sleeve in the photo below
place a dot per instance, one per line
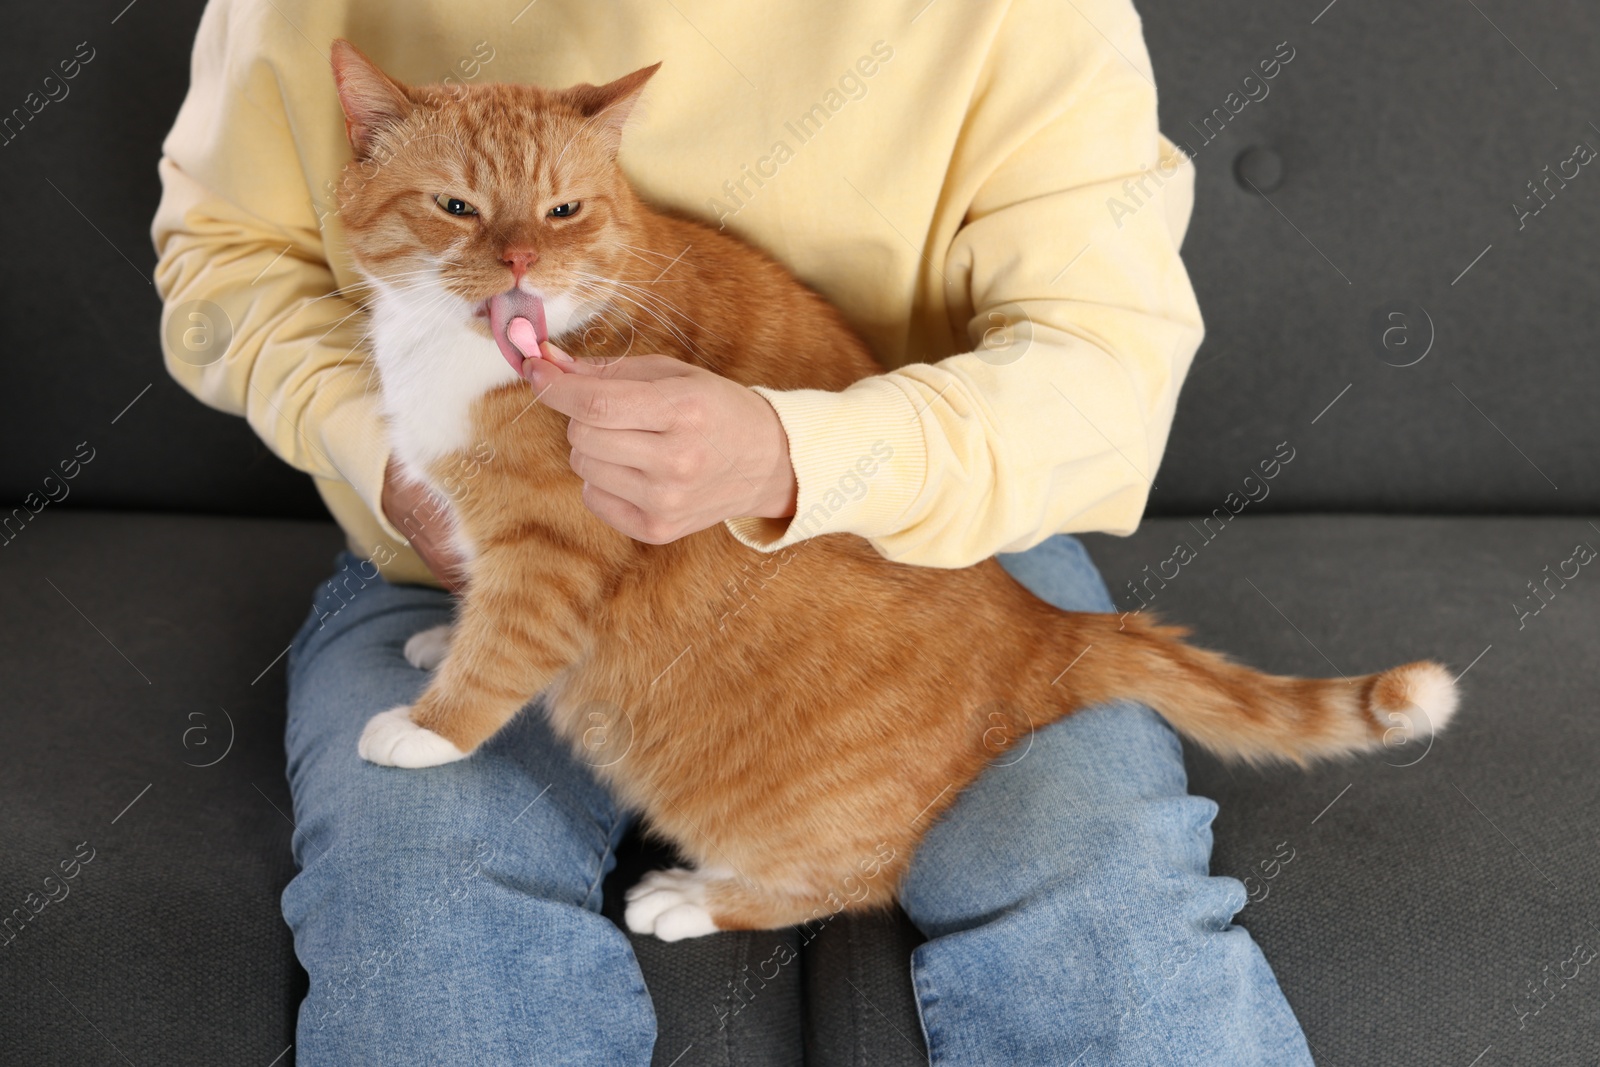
(253, 323)
(1079, 312)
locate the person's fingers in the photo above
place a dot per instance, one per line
(619, 405)
(646, 368)
(622, 515)
(539, 372)
(629, 483)
(555, 354)
(631, 448)
(547, 360)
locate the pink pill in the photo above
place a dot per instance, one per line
(522, 334)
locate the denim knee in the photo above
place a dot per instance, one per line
(410, 888)
(1134, 857)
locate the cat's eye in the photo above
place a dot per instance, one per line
(454, 205)
(566, 211)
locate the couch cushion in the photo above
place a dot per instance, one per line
(1410, 900)
(860, 1008)
(1403, 135)
(82, 353)
(137, 646)
(132, 643)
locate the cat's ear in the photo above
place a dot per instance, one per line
(609, 105)
(370, 98)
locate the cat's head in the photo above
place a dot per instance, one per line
(497, 201)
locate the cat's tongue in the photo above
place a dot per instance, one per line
(516, 319)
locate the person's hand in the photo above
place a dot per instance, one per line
(666, 448)
(421, 514)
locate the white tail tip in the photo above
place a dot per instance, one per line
(1414, 702)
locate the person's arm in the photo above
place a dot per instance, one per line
(237, 230)
(986, 453)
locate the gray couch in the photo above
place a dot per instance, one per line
(1382, 299)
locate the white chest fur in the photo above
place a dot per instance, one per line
(433, 366)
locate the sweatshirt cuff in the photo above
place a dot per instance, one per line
(358, 447)
(859, 457)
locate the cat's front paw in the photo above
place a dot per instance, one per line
(391, 739)
(426, 649)
(670, 904)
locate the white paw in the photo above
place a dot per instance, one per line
(670, 904)
(426, 649)
(391, 739)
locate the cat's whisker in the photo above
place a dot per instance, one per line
(662, 304)
(614, 295)
(636, 249)
(671, 327)
(609, 310)
(636, 287)
(373, 282)
(639, 297)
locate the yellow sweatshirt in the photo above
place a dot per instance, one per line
(979, 186)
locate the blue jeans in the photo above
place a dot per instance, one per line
(451, 915)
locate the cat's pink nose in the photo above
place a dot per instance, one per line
(519, 260)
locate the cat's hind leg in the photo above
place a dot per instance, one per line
(671, 904)
(680, 903)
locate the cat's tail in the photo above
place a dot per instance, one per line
(1241, 713)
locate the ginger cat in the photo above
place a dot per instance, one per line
(796, 753)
